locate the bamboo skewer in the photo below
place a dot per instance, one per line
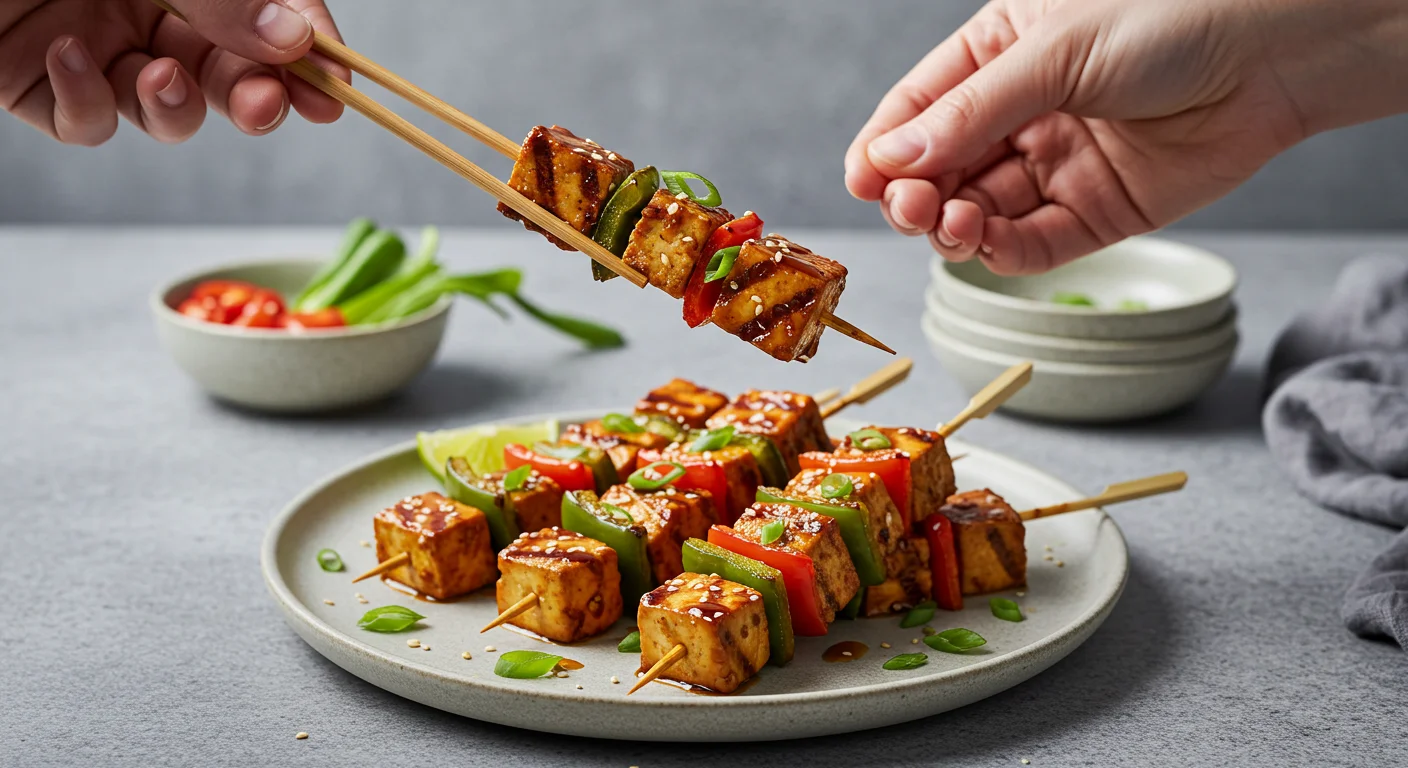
(872, 385)
(826, 395)
(522, 606)
(665, 662)
(990, 397)
(1114, 494)
(385, 565)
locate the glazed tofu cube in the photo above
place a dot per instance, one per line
(684, 401)
(448, 543)
(622, 447)
(537, 505)
(668, 241)
(723, 625)
(576, 579)
(816, 536)
(990, 540)
(571, 177)
(930, 468)
(867, 493)
(908, 581)
(670, 517)
(741, 476)
(777, 295)
(792, 421)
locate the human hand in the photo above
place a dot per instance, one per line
(1043, 130)
(129, 57)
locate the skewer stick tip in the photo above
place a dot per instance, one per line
(517, 608)
(384, 566)
(661, 666)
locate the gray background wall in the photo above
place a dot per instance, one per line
(762, 96)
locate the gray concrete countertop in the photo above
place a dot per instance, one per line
(137, 630)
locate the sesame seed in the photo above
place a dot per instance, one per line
(1025, 761)
(672, 589)
(589, 141)
(752, 598)
(328, 602)
(466, 655)
(697, 585)
(884, 645)
(579, 687)
(756, 299)
(615, 680)
(845, 653)
(1048, 557)
(612, 156)
(1048, 547)
(560, 674)
(681, 196)
(665, 259)
(363, 600)
(915, 641)
(673, 209)
(1060, 563)
(365, 543)
(425, 647)
(733, 284)
(301, 735)
(579, 150)
(703, 598)
(597, 156)
(686, 239)
(1021, 594)
(413, 643)
(746, 214)
(758, 310)
(770, 244)
(490, 649)
(777, 258)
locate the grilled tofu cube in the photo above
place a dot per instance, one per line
(670, 517)
(571, 177)
(868, 493)
(930, 468)
(777, 295)
(576, 579)
(816, 536)
(622, 447)
(741, 476)
(990, 540)
(723, 624)
(668, 241)
(684, 401)
(908, 581)
(792, 421)
(536, 505)
(448, 543)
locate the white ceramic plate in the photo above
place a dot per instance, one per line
(809, 697)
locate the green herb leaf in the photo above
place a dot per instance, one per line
(329, 561)
(515, 479)
(772, 532)
(907, 661)
(869, 440)
(721, 263)
(630, 643)
(389, 618)
(919, 614)
(712, 440)
(836, 486)
(1005, 609)
(619, 422)
(594, 335)
(955, 640)
(563, 452)
(618, 511)
(1072, 299)
(641, 479)
(525, 665)
(678, 181)
(1133, 305)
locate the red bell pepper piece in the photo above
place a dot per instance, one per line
(798, 575)
(700, 474)
(943, 561)
(892, 466)
(571, 474)
(263, 310)
(323, 318)
(699, 296)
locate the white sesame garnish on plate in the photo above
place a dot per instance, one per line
(884, 645)
(413, 643)
(1060, 563)
(490, 649)
(425, 647)
(301, 735)
(579, 686)
(1048, 557)
(466, 655)
(1025, 761)
(328, 602)
(915, 641)
(1021, 594)
(365, 543)
(615, 680)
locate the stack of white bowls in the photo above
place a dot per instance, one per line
(1162, 329)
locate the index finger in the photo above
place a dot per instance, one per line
(314, 105)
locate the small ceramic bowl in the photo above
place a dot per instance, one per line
(1186, 290)
(1064, 349)
(287, 372)
(1082, 392)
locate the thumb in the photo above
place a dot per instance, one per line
(266, 31)
(1025, 81)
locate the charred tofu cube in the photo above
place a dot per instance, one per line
(576, 579)
(622, 447)
(670, 517)
(792, 421)
(777, 295)
(908, 580)
(570, 177)
(448, 543)
(668, 241)
(867, 493)
(816, 536)
(990, 540)
(732, 472)
(684, 401)
(723, 625)
(930, 468)
(536, 505)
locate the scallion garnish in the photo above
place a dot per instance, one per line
(721, 263)
(642, 479)
(389, 618)
(1005, 609)
(869, 440)
(955, 640)
(329, 561)
(678, 183)
(907, 661)
(712, 440)
(564, 452)
(836, 486)
(618, 511)
(630, 643)
(617, 422)
(525, 665)
(515, 479)
(771, 532)
(919, 614)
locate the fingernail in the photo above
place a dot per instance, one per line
(174, 93)
(901, 146)
(945, 239)
(71, 56)
(900, 219)
(281, 26)
(283, 112)
(986, 249)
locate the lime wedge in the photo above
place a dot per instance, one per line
(482, 447)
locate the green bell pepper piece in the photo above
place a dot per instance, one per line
(462, 486)
(852, 609)
(603, 468)
(360, 229)
(582, 512)
(764, 450)
(702, 557)
(620, 214)
(855, 531)
(375, 259)
(666, 428)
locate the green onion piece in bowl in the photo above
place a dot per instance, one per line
(869, 440)
(836, 486)
(721, 263)
(678, 183)
(642, 479)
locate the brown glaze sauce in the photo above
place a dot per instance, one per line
(556, 554)
(844, 651)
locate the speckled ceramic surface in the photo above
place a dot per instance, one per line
(1064, 604)
(279, 371)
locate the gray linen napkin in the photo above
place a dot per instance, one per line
(1337, 422)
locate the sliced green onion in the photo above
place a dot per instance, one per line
(836, 486)
(907, 661)
(869, 440)
(1072, 299)
(712, 440)
(615, 510)
(771, 532)
(678, 182)
(919, 614)
(1005, 609)
(955, 640)
(642, 481)
(525, 665)
(721, 263)
(617, 422)
(515, 479)
(389, 618)
(630, 643)
(329, 560)
(564, 452)
(1133, 305)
